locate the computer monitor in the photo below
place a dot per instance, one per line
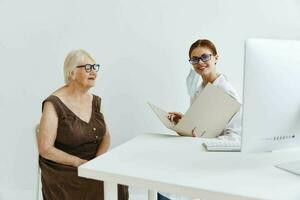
(271, 99)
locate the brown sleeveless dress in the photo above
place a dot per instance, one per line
(81, 139)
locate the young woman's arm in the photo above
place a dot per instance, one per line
(233, 128)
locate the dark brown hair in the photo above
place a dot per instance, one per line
(203, 43)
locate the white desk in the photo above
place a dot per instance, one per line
(180, 165)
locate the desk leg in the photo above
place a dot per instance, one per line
(152, 195)
(110, 191)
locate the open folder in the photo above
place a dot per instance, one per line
(207, 116)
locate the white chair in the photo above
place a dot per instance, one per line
(39, 183)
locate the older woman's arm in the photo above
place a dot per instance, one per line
(103, 147)
(46, 138)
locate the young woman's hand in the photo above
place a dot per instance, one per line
(194, 132)
(174, 117)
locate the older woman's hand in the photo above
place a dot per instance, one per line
(79, 162)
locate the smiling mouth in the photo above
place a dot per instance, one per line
(92, 79)
(201, 68)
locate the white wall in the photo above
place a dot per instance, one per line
(142, 46)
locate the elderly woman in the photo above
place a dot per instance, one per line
(73, 131)
(203, 57)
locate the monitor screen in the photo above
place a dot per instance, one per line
(271, 98)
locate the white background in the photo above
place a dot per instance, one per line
(142, 47)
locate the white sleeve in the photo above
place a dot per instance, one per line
(233, 129)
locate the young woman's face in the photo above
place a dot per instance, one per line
(203, 61)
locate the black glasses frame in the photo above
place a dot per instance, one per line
(88, 67)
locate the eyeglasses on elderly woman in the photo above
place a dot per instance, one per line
(89, 67)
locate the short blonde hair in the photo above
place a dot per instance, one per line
(73, 59)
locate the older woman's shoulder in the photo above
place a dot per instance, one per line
(97, 97)
(52, 102)
(98, 102)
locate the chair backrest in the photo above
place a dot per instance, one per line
(37, 129)
(36, 132)
(39, 184)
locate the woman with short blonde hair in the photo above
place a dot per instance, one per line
(72, 132)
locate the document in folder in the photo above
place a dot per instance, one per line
(207, 116)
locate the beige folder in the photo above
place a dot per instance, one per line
(207, 116)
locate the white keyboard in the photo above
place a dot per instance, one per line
(292, 167)
(222, 145)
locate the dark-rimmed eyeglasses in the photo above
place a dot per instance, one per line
(204, 58)
(89, 67)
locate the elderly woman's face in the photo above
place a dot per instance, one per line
(206, 60)
(86, 78)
